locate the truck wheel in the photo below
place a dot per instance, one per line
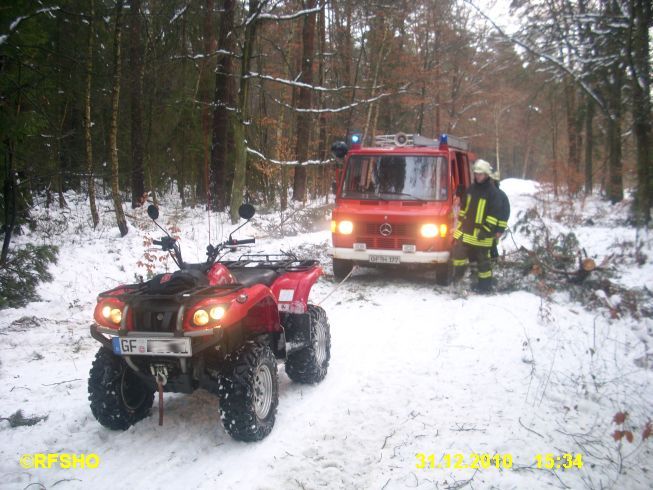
(249, 394)
(119, 398)
(443, 274)
(341, 268)
(310, 364)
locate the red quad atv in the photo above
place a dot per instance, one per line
(218, 325)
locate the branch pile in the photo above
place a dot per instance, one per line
(556, 262)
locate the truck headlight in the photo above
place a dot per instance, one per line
(346, 227)
(429, 230)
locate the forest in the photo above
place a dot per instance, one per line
(224, 101)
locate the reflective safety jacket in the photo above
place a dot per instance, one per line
(477, 219)
(503, 211)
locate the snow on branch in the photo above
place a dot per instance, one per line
(201, 56)
(294, 83)
(336, 109)
(554, 61)
(179, 13)
(17, 21)
(291, 162)
(289, 16)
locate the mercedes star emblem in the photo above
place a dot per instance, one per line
(385, 229)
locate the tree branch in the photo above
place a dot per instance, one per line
(554, 61)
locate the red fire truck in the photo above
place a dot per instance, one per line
(397, 202)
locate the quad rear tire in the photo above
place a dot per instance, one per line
(119, 398)
(310, 364)
(249, 394)
(341, 268)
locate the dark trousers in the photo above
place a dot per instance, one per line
(463, 253)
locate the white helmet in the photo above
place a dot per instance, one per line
(495, 175)
(482, 167)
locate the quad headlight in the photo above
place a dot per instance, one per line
(112, 314)
(209, 314)
(200, 318)
(217, 312)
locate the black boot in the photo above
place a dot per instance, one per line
(484, 286)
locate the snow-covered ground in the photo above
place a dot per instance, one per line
(415, 369)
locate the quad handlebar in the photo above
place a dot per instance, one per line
(169, 244)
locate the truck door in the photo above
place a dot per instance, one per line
(462, 169)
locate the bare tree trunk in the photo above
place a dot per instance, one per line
(304, 102)
(641, 18)
(9, 194)
(497, 141)
(87, 118)
(183, 130)
(240, 119)
(615, 176)
(380, 21)
(113, 133)
(589, 143)
(136, 96)
(223, 98)
(573, 163)
(322, 147)
(615, 185)
(205, 97)
(58, 150)
(554, 143)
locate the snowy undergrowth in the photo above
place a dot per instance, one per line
(415, 368)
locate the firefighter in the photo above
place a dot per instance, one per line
(503, 214)
(477, 227)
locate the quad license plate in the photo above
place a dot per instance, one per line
(385, 259)
(126, 346)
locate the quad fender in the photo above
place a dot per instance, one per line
(292, 289)
(259, 313)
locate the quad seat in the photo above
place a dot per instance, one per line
(249, 276)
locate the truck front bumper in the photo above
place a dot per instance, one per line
(376, 257)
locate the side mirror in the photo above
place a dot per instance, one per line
(153, 212)
(245, 211)
(460, 190)
(339, 149)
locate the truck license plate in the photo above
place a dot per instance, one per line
(385, 259)
(129, 346)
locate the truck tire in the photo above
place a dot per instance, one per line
(119, 398)
(341, 268)
(443, 274)
(310, 364)
(249, 394)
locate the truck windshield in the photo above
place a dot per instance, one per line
(396, 177)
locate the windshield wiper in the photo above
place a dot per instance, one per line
(404, 194)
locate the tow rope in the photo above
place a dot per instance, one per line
(355, 267)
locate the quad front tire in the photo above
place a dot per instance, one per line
(249, 394)
(119, 398)
(310, 365)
